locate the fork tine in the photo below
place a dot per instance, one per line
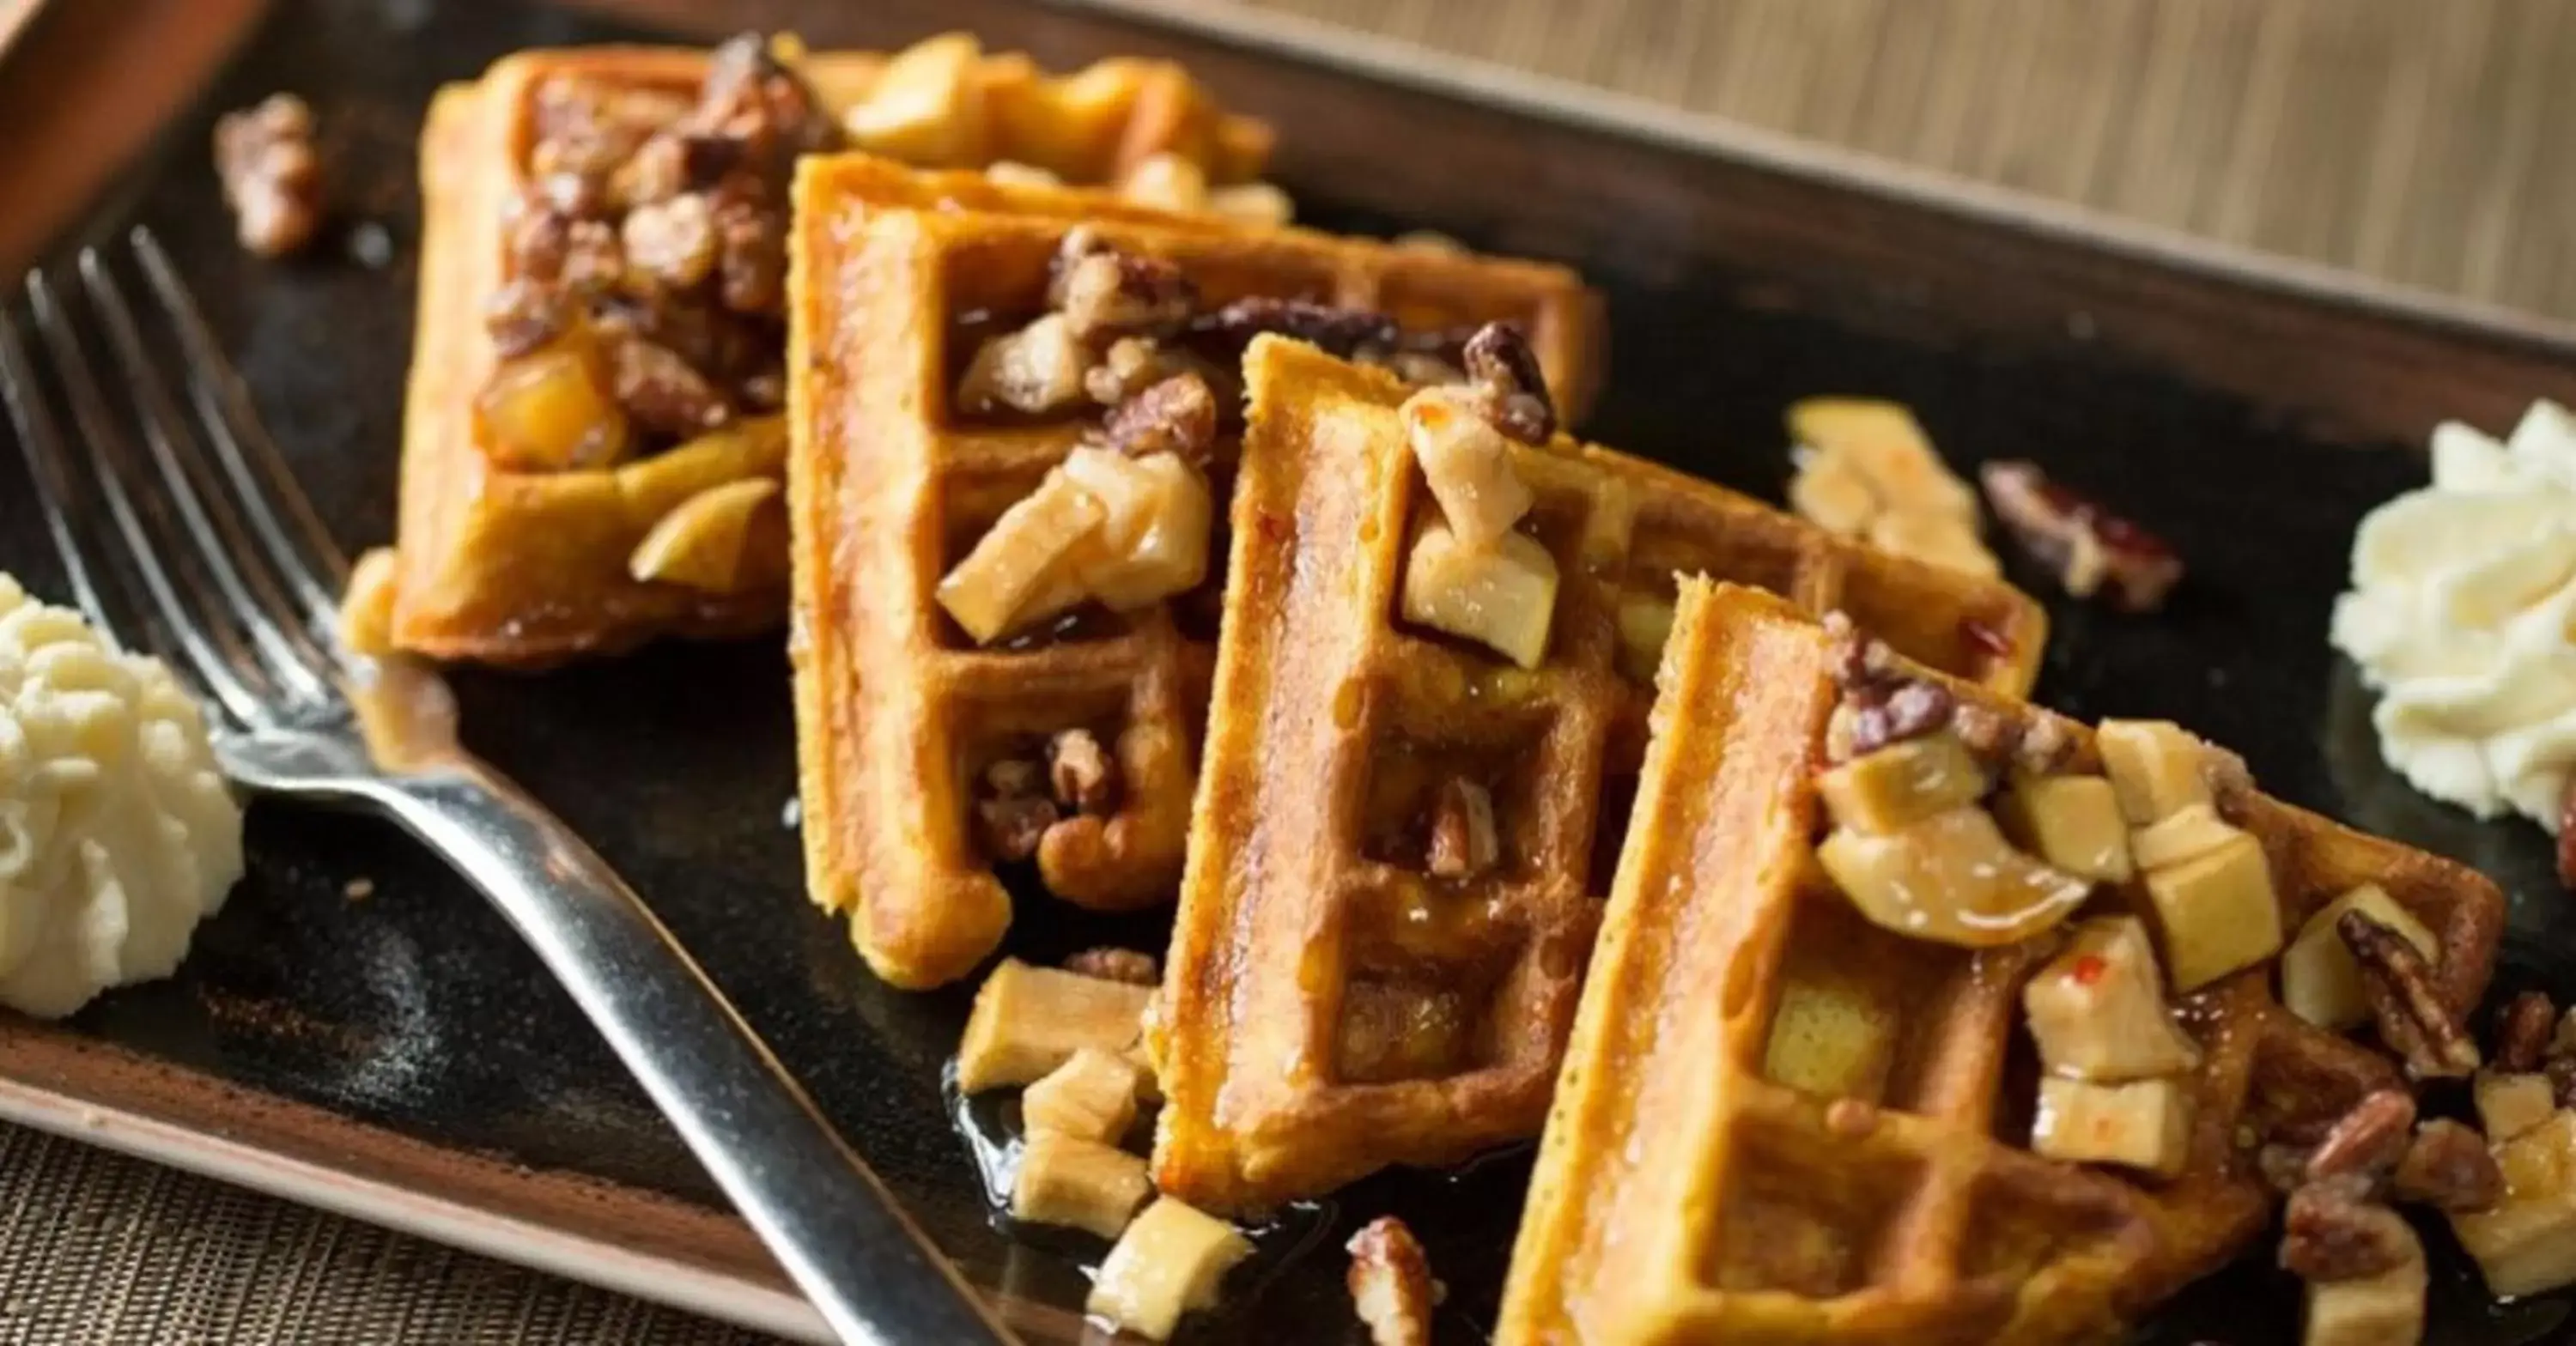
(33, 423)
(226, 672)
(275, 629)
(279, 511)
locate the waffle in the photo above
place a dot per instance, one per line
(898, 713)
(1681, 1195)
(1330, 1008)
(531, 568)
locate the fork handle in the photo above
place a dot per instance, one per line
(830, 1221)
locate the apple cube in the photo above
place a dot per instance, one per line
(1091, 1096)
(700, 544)
(1028, 1021)
(2142, 1125)
(2320, 980)
(1169, 1261)
(1468, 465)
(1156, 515)
(1832, 1036)
(1934, 539)
(2155, 765)
(1037, 370)
(2526, 1243)
(1081, 1184)
(926, 107)
(2217, 911)
(2511, 1104)
(1018, 571)
(1830, 492)
(1950, 878)
(1502, 596)
(2097, 1011)
(2072, 822)
(1890, 449)
(2184, 834)
(1903, 783)
(2382, 1310)
(1645, 623)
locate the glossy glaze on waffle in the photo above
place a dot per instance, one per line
(898, 712)
(1681, 1196)
(1330, 1008)
(530, 568)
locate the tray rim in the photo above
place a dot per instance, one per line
(85, 1089)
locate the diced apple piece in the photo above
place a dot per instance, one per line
(2097, 1011)
(2217, 912)
(1833, 1036)
(2072, 822)
(1017, 572)
(1934, 539)
(2526, 1243)
(1952, 879)
(1902, 784)
(1028, 1021)
(1255, 203)
(2320, 981)
(1167, 181)
(1830, 492)
(1081, 1184)
(2143, 1125)
(1091, 1096)
(546, 412)
(700, 544)
(366, 624)
(2184, 834)
(2511, 1104)
(2155, 765)
(1156, 515)
(1645, 624)
(1890, 449)
(1468, 465)
(1503, 596)
(1037, 369)
(926, 107)
(1169, 1261)
(2382, 1310)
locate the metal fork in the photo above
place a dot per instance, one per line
(230, 578)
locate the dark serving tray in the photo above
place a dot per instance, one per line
(401, 1057)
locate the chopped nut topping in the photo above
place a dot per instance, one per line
(661, 392)
(1130, 366)
(523, 315)
(1038, 369)
(2367, 1141)
(271, 175)
(1106, 294)
(2091, 549)
(2522, 1038)
(1176, 416)
(1507, 377)
(1080, 772)
(1908, 711)
(1015, 812)
(2449, 1167)
(1127, 965)
(1339, 331)
(2411, 1017)
(2334, 1231)
(1463, 842)
(673, 242)
(594, 258)
(1391, 1285)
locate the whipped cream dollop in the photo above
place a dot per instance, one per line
(117, 834)
(2459, 616)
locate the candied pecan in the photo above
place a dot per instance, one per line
(1340, 331)
(2366, 1141)
(2449, 1168)
(656, 172)
(271, 175)
(588, 126)
(2091, 549)
(671, 242)
(1081, 774)
(594, 261)
(2523, 1032)
(1011, 827)
(1508, 380)
(751, 256)
(1108, 964)
(661, 392)
(2410, 1014)
(525, 314)
(1106, 294)
(1176, 416)
(1463, 841)
(2334, 1231)
(568, 194)
(1130, 366)
(1390, 1283)
(1879, 717)
(752, 97)
(539, 238)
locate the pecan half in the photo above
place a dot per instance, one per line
(2523, 1032)
(271, 175)
(1340, 331)
(1110, 964)
(2333, 1231)
(1390, 1283)
(2412, 1019)
(1177, 416)
(1910, 710)
(2092, 549)
(1508, 380)
(2448, 1167)
(1081, 774)
(1463, 842)
(662, 392)
(2367, 1141)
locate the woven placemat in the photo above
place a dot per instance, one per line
(2422, 143)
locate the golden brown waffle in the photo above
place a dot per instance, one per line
(1330, 1008)
(530, 568)
(898, 713)
(1682, 1196)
